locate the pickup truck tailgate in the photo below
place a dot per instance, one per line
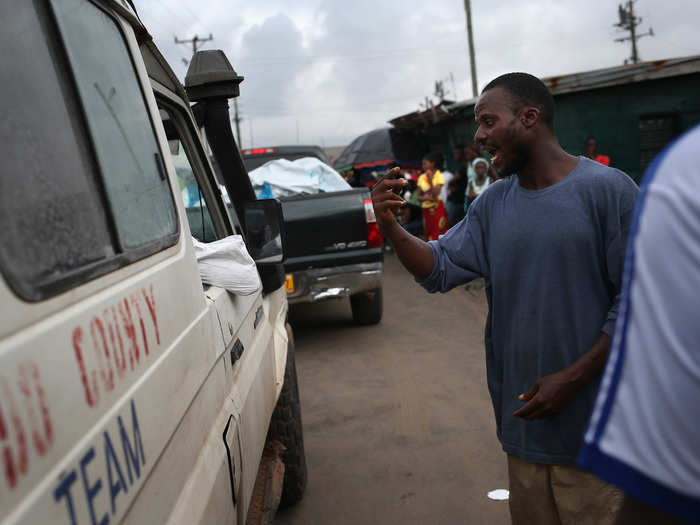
(327, 229)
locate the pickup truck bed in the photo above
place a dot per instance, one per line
(334, 248)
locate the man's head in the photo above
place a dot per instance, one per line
(515, 112)
(591, 146)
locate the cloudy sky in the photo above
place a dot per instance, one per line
(326, 71)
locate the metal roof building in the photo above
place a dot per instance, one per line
(632, 110)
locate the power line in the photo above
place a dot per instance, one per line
(253, 103)
(193, 14)
(187, 23)
(376, 55)
(318, 113)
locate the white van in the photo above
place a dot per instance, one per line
(129, 391)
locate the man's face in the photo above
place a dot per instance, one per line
(500, 132)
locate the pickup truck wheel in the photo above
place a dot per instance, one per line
(286, 428)
(367, 307)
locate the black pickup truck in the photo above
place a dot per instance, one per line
(334, 247)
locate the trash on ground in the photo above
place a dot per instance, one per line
(499, 494)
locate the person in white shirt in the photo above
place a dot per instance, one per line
(644, 432)
(480, 181)
(447, 175)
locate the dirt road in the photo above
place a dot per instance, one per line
(398, 422)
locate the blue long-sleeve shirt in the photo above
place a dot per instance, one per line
(552, 263)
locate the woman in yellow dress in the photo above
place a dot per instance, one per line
(430, 183)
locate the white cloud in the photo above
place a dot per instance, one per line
(340, 68)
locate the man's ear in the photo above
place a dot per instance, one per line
(529, 116)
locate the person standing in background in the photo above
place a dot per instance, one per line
(471, 151)
(447, 175)
(591, 149)
(480, 182)
(430, 184)
(456, 188)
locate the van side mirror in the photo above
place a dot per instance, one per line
(264, 231)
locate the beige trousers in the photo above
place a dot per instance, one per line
(559, 495)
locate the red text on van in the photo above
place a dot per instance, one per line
(25, 421)
(115, 341)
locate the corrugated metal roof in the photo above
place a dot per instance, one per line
(463, 103)
(425, 118)
(611, 76)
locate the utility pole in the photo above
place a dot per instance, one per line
(470, 37)
(629, 22)
(195, 41)
(237, 120)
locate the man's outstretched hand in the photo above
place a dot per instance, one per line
(548, 396)
(414, 253)
(385, 197)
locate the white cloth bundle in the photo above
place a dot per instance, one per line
(226, 263)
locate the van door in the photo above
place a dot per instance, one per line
(249, 355)
(108, 345)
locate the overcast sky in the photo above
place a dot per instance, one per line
(334, 69)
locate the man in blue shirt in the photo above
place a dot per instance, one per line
(549, 241)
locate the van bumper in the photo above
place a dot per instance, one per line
(318, 284)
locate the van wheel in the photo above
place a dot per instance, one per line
(285, 427)
(367, 307)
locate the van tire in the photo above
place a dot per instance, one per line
(286, 427)
(367, 307)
